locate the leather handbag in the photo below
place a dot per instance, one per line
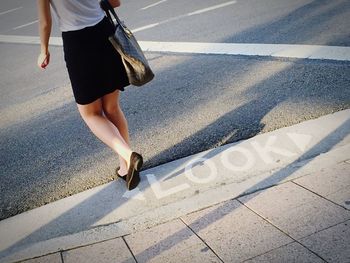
(135, 62)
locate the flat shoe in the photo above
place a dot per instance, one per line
(133, 175)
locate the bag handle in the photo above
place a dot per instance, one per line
(107, 7)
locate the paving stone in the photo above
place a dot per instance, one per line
(114, 250)
(295, 210)
(333, 183)
(169, 242)
(332, 244)
(293, 252)
(53, 258)
(234, 232)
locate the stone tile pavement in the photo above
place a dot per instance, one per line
(303, 220)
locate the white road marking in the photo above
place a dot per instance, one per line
(274, 50)
(54, 41)
(302, 141)
(28, 24)
(211, 8)
(11, 10)
(200, 11)
(144, 27)
(152, 5)
(246, 49)
(134, 194)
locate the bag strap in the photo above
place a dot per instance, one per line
(107, 7)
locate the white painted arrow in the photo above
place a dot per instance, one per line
(300, 140)
(134, 194)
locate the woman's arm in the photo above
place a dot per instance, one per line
(45, 23)
(114, 3)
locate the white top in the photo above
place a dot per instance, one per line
(77, 14)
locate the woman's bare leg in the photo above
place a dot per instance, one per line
(112, 110)
(104, 129)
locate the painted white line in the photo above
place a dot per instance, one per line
(274, 50)
(11, 10)
(19, 39)
(201, 11)
(211, 8)
(28, 24)
(144, 27)
(152, 5)
(54, 41)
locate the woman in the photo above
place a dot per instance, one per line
(96, 73)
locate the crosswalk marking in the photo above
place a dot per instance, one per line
(245, 49)
(197, 12)
(211, 8)
(11, 10)
(27, 24)
(152, 5)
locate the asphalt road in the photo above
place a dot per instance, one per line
(196, 102)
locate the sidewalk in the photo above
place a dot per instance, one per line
(283, 196)
(304, 220)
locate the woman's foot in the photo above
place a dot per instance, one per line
(120, 175)
(133, 176)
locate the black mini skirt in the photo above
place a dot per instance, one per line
(94, 67)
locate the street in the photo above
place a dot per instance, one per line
(195, 103)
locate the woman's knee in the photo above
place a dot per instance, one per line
(90, 110)
(110, 104)
(111, 109)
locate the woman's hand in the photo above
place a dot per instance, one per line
(114, 3)
(43, 60)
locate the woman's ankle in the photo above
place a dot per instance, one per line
(123, 167)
